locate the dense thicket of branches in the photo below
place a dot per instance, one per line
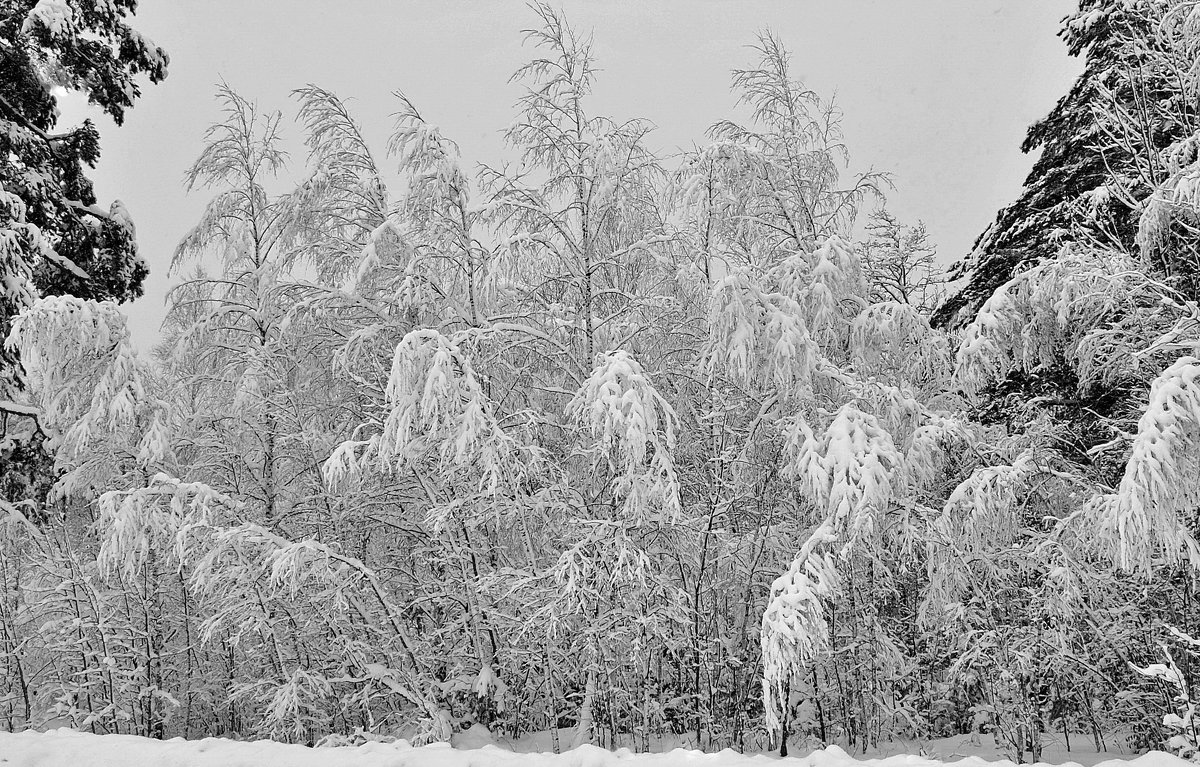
(611, 446)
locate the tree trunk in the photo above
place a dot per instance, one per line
(583, 730)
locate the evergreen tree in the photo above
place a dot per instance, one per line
(1114, 178)
(1091, 176)
(54, 238)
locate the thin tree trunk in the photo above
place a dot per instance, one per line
(585, 725)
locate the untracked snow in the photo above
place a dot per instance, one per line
(70, 748)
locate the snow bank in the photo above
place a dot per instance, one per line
(68, 748)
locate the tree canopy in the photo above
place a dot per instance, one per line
(624, 448)
(54, 237)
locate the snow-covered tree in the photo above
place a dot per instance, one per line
(901, 263)
(228, 329)
(600, 441)
(1079, 494)
(54, 237)
(1100, 145)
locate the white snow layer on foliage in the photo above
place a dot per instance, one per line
(1162, 478)
(635, 427)
(56, 16)
(896, 331)
(436, 405)
(1067, 305)
(68, 748)
(848, 469)
(16, 239)
(1175, 200)
(1053, 308)
(86, 377)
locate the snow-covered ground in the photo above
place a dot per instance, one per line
(1081, 749)
(68, 748)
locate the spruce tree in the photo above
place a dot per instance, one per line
(54, 238)
(1090, 177)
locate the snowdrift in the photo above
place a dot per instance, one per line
(68, 748)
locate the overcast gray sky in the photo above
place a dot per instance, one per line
(939, 92)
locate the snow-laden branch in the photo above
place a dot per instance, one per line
(1143, 521)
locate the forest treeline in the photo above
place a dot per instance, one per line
(600, 442)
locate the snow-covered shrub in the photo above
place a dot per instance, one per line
(1183, 722)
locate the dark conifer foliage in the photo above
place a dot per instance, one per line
(1065, 196)
(53, 237)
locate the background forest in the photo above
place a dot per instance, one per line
(598, 442)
